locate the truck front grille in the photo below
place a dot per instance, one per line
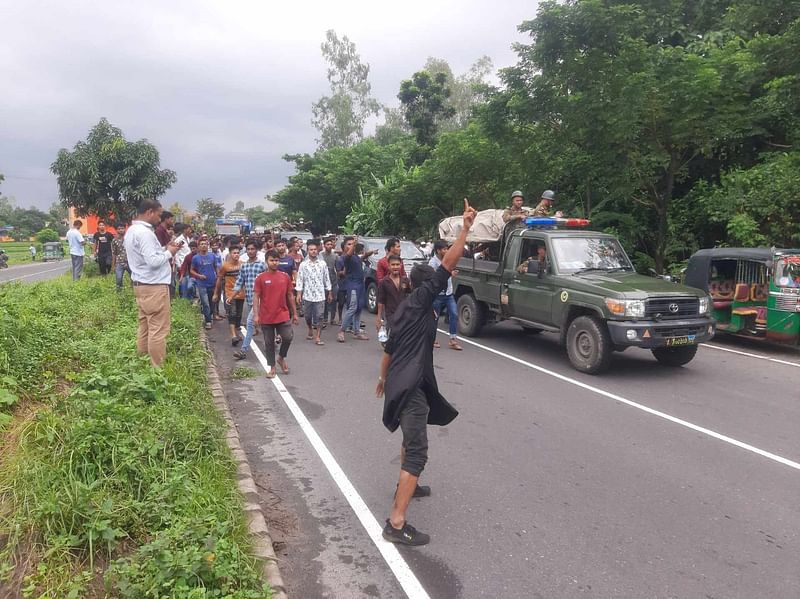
(665, 307)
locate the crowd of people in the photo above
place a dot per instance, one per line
(269, 282)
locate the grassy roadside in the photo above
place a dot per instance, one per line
(18, 251)
(114, 477)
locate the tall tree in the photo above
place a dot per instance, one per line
(239, 206)
(424, 104)
(178, 211)
(108, 175)
(467, 91)
(208, 209)
(340, 117)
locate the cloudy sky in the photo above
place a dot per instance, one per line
(223, 89)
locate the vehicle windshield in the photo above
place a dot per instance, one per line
(577, 254)
(787, 272)
(408, 251)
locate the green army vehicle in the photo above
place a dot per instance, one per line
(582, 286)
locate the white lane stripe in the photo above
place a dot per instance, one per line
(751, 355)
(34, 274)
(633, 404)
(411, 585)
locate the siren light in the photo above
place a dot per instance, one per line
(549, 221)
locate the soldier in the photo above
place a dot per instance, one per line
(543, 207)
(514, 214)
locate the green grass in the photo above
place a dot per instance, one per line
(115, 480)
(18, 251)
(243, 372)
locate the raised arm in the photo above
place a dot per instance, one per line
(456, 251)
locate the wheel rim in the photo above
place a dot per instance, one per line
(584, 345)
(466, 315)
(371, 297)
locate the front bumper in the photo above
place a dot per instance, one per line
(650, 333)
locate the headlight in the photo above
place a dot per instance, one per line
(704, 303)
(629, 308)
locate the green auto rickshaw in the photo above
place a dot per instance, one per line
(52, 250)
(755, 292)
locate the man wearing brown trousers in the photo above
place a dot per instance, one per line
(151, 273)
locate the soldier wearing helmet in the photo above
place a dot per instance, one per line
(547, 201)
(514, 214)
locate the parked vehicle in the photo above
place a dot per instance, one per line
(233, 226)
(755, 292)
(409, 253)
(582, 286)
(52, 250)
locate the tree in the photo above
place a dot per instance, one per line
(340, 117)
(239, 207)
(178, 211)
(208, 209)
(58, 216)
(108, 175)
(424, 103)
(47, 235)
(27, 221)
(467, 91)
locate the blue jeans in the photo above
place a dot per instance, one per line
(119, 274)
(447, 301)
(205, 294)
(187, 288)
(352, 316)
(248, 336)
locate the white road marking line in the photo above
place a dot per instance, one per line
(633, 404)
(34, 274)
(411, 585)
(751, 355)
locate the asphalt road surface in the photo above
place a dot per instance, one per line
(35, 271)
(644, 482)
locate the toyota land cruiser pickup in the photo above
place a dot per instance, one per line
(582, 286)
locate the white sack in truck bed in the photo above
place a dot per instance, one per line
(488, 227)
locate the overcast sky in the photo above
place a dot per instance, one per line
(223, 89)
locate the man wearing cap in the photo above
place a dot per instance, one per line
(514, 214)
(546, 203)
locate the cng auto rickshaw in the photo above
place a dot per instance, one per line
(52, 250)
(755, 292)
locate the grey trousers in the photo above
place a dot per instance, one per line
(77, 266)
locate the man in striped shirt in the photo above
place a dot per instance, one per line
(247, 277)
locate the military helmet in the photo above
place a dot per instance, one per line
(549, 194)
(517, 194)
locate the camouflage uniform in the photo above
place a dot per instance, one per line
(542, 209)
(509, 215)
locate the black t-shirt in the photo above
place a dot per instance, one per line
(103, 241)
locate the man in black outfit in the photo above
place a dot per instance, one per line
(412, 396)
(102, 248)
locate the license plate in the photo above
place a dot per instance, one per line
(685, 340)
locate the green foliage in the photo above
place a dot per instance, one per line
(209, 210)
(47, 235)
(340, 117)
(108, 175)
(109, 458)
(243, 372)
(423, 99)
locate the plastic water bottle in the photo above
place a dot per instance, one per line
(383, 336)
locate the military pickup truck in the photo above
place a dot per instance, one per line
(581, 285)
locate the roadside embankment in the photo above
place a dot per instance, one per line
(115, 479)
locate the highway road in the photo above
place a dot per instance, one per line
(644, 482)
(35, 271)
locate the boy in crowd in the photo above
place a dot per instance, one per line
(313, 287)
(102, 248)
(445, 300)
(353, 283)
(274, 309)
(226, 279)
(187, 283)
(248, 272)
(392, 290)
(329, 256)
(203, 269)
(392, 249)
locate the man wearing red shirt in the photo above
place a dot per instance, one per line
(274, 310)
(392, 249)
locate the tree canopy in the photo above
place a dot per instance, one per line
(108, 175)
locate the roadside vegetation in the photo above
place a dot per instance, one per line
(18, 251)
(115, 480)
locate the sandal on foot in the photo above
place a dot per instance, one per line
(340, 337)
(454, 345)
(271, 374)
(436, 344)
(319, 342)
(284, 366)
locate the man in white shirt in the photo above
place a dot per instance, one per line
(76, 251)
(313, 285)
(151, 274)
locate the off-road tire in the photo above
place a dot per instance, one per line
(589, 345)
(675, 356)
(471, 315)
(372, 297)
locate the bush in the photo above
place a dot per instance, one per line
(47, 235)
